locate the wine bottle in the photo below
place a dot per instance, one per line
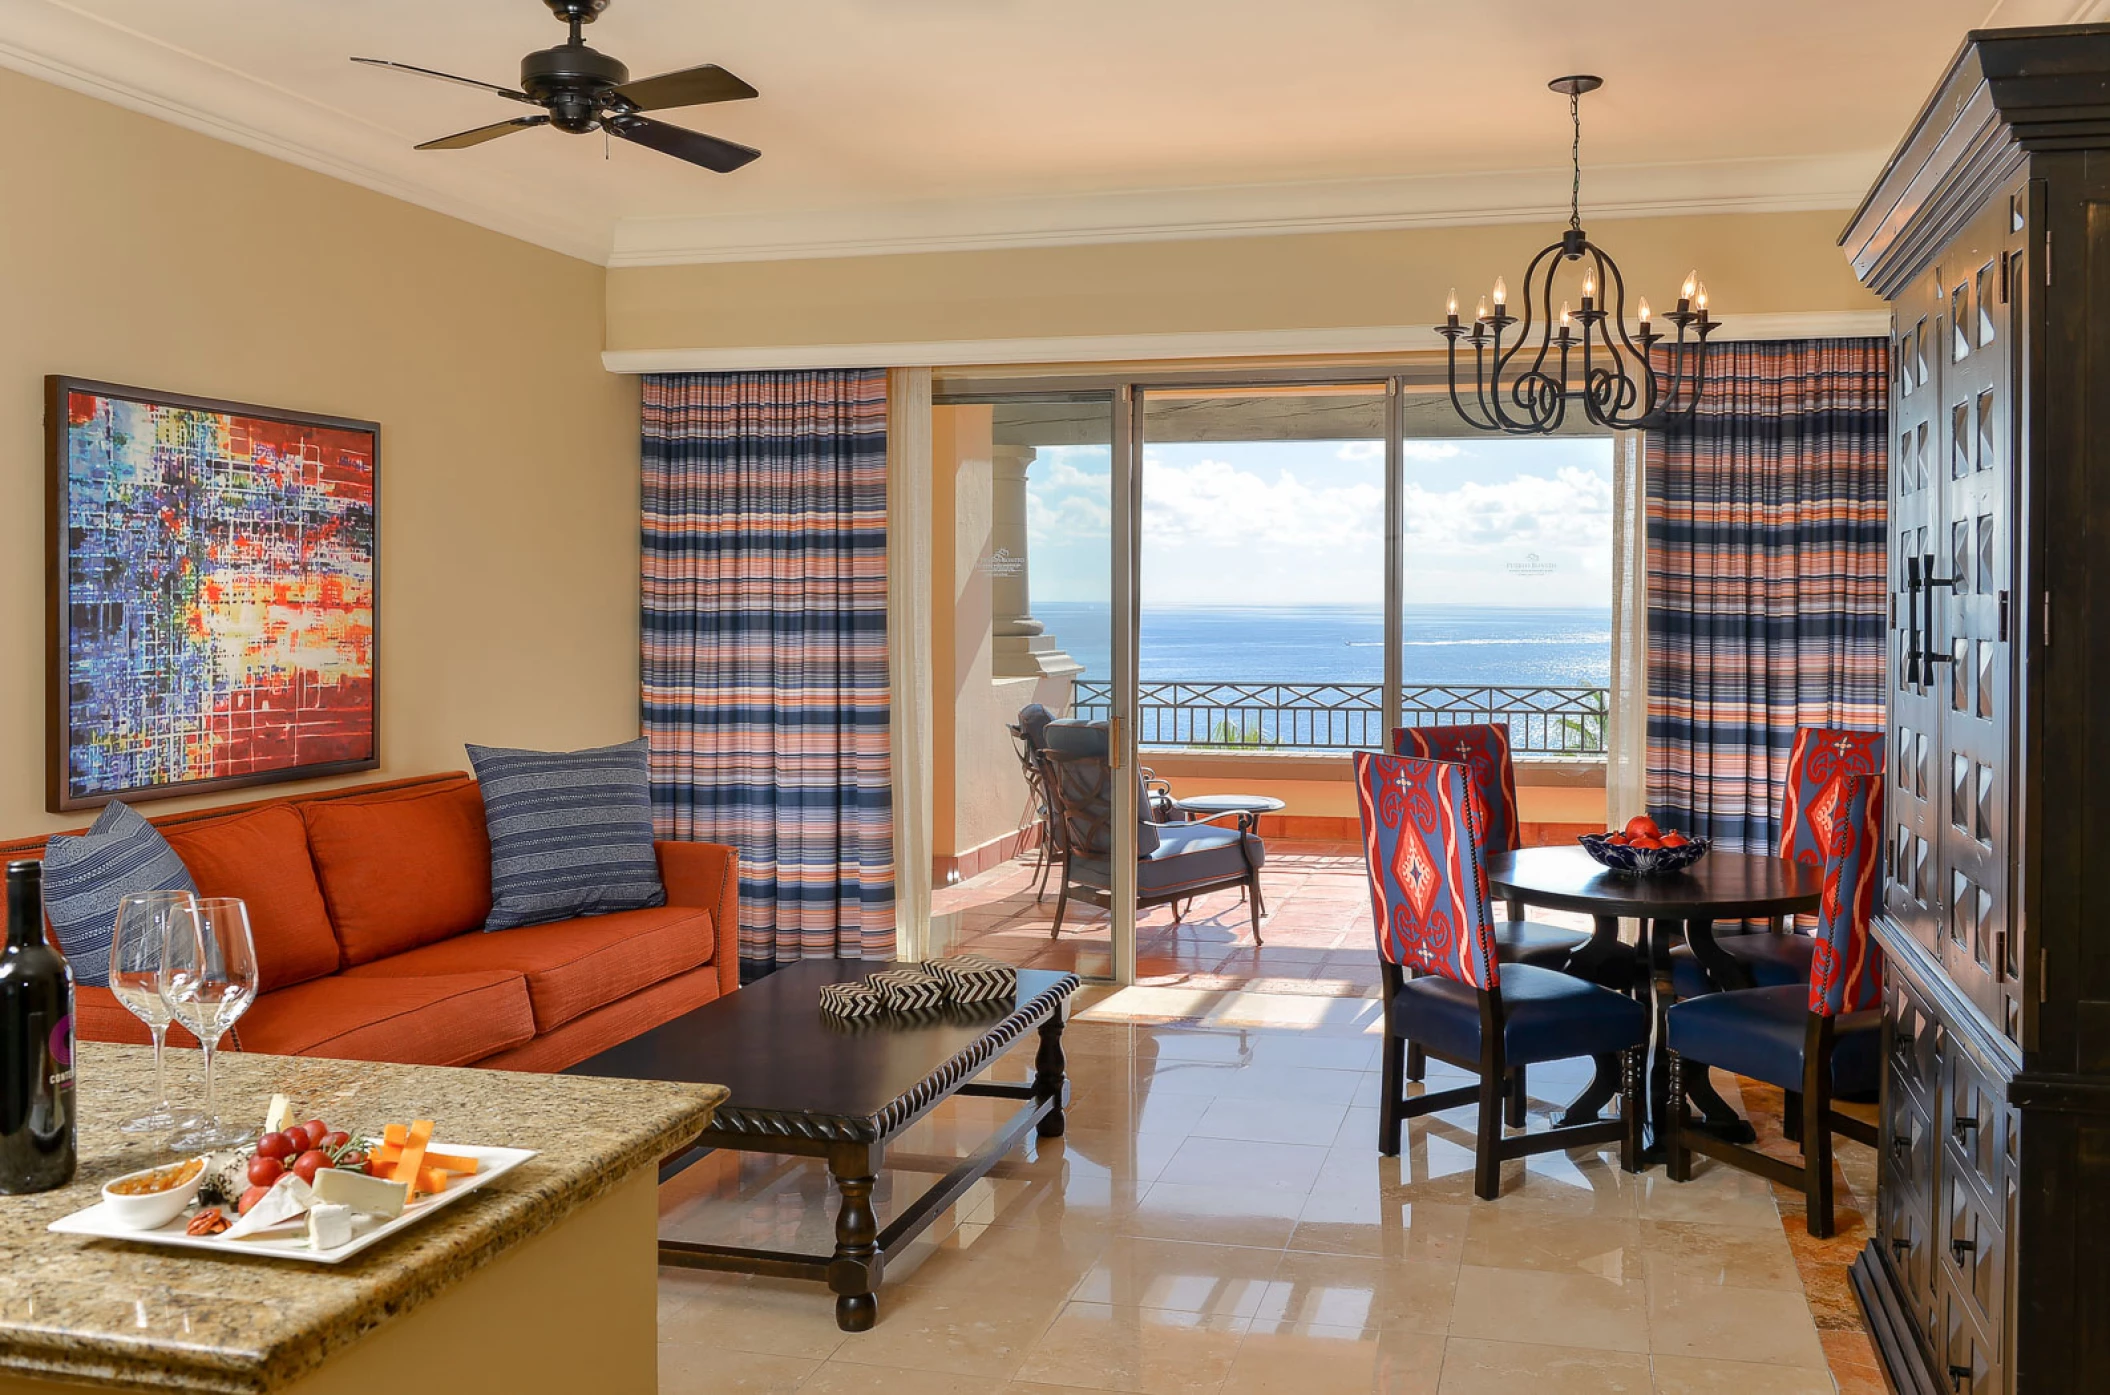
(36, 1045)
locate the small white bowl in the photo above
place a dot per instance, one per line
(153, 1209)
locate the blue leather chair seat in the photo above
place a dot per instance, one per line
(1187, 854)
(1531, 942)
(1759, 1032)
(1547, 1016)
(1774, 961)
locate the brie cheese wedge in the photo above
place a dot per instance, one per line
(329, 1227)
(288, 1199)
(371, 1196)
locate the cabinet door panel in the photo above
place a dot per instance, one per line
(1971, 603)
(1917, 797)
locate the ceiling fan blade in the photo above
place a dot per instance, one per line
(724, 156)
(462, 140)
(691, 87)
(448, 77)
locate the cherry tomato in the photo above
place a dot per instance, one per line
(309, 1163)
(1642, 826)
(276, 1145)
(264, 1171)
(250, 1198)
(354, 1161)
(333, 1140)
(317, 1131)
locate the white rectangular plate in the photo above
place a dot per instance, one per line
(290, 1241)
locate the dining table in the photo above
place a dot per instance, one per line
(1721, 886)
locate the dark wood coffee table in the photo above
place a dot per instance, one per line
(809, 1084)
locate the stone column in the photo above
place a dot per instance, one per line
(1022, 650)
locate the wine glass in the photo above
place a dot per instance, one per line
(208, 979)
(136, 948)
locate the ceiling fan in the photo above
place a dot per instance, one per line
(581, 90)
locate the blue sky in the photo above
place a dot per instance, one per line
(1489, 522)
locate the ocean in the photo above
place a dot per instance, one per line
(1345, 644)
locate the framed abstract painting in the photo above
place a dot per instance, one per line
(211, 573)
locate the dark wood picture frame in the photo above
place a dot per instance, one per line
(60, 738)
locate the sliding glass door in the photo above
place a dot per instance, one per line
(1243, 577)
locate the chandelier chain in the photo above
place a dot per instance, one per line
(1575, 162)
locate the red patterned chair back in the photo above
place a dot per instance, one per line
(1846, 973)
(1428, 885)
(1820, 755)
(1483, 749)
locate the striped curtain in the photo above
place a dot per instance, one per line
(1766, 577)
(764, 647)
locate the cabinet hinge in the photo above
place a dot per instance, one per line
(2043, 975)
(2003, 615)
(2044, 610)
(2047, 256)
(2004, 271)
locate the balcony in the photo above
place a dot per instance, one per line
(1558, 722)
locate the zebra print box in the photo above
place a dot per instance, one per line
(851, 1000)
(909, 989)
(975, 978)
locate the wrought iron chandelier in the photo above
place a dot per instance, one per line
(1625, 382)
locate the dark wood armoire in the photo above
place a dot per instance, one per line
(1989, 234)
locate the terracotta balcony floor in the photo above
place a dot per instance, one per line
(1317, 936)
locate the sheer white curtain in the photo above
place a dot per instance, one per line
(908, 471)
(1626, 737)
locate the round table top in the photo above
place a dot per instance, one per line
(1720, 886)
(1230, 804)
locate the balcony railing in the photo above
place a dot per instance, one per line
(1547, 721)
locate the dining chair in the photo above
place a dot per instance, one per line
(1780, 955)
(1428, 899)
(1483, 749)
(1814, 1041)
(1491, 782)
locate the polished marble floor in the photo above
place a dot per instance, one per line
(1217, 1219)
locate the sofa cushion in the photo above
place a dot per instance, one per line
(571, 833)
(262, 857)
(401, 871)
(571, 966)
(441, 1020)
(85, 875)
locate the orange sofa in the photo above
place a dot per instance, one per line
(367, 903)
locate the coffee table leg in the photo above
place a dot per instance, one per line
(853, 1272)
(1048, 1073)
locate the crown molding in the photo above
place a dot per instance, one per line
(53, 43)
(1128, 348)
(1773, 185)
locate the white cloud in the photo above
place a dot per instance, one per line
(1361, 450)
(1410, 450)
(1570, 510)
(1212, 504)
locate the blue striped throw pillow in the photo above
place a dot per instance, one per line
(571, 833)
(86, 874)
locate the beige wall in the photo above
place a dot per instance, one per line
(133, 251)
(1754, 264)
(979, 795)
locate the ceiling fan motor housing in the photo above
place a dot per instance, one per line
(573, 82)
(584, 11)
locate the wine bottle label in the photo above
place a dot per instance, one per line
(62, 1052)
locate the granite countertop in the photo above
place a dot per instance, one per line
(136, 1317)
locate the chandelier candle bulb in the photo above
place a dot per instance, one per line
(1450, 308)
(1501, 294)
(1482, 315)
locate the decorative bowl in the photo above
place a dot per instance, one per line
(150, 1209)
(1643, 862)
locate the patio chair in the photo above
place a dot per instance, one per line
(1175, 862)
(1027, 735)
(1428, 896)
(1780, 956)
(1814, 1041)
